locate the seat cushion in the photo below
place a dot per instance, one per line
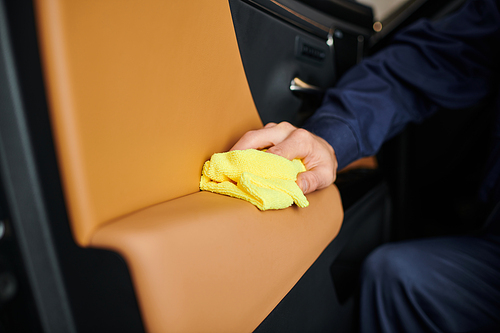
(211, 263)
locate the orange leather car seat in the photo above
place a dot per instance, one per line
(140, 95)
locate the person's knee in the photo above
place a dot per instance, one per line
(389, 280)
(391, 265)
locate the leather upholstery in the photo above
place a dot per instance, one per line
(210, 263)
(141, 93)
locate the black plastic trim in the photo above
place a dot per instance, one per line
(268, 49)
(308, 18)
(350, 11)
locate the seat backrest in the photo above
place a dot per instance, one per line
(141, 93)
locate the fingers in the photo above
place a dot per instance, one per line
(295, 145)
(319, 174)
(316, 154)
(268, 136)
(307, 182)
(290, 142)
(315, 179)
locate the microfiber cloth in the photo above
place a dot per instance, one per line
(263, 179)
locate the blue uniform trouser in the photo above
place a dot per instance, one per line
(449, 284)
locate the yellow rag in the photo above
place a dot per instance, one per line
(263, 179)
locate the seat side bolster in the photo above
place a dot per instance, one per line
(206, 262)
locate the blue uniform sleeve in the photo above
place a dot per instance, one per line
(452, 63)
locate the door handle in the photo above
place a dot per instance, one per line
(300, 86)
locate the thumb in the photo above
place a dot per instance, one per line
(307, 181)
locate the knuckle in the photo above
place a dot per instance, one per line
(286, 125)
(249, 135)
(301, 133)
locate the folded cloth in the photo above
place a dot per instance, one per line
(264, 179)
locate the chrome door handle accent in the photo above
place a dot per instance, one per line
(300, 86)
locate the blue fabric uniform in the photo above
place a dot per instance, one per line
(434, 285)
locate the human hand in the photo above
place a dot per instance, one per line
(291, 142)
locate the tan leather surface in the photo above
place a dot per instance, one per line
(141, 93)
(369, 162)
(210, 263)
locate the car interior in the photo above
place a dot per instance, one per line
(108, 111)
